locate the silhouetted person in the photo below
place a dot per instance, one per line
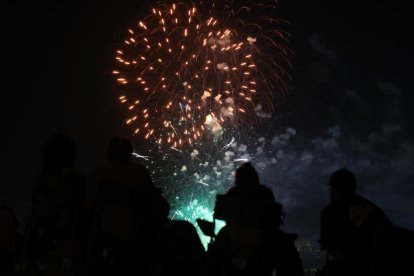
(353, 230)
(129, 213)
(56, 205)
(252, 242)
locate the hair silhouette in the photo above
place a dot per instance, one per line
(246, 174)
(59, 152)
(120, 149)
(343, 178)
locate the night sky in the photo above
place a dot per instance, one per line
(350, 102)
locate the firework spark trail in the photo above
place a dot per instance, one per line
(228, 145)
(185, 72)
(137, 155)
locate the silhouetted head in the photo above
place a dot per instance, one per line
(59, 152)
(120, 149)
(246, 174)
(342, 184)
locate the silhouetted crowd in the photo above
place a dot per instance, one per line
(116, 221)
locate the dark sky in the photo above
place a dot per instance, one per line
(350, 102)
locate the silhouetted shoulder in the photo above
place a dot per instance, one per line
(58, 187)
(358, 210)
(186, 235)
(254, 192)
(123, 173)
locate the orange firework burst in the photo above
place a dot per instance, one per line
(189, 68)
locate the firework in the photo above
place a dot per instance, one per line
(194, 68)
(191, 76)
(190, 180)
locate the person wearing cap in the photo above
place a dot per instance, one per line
(352, 228)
